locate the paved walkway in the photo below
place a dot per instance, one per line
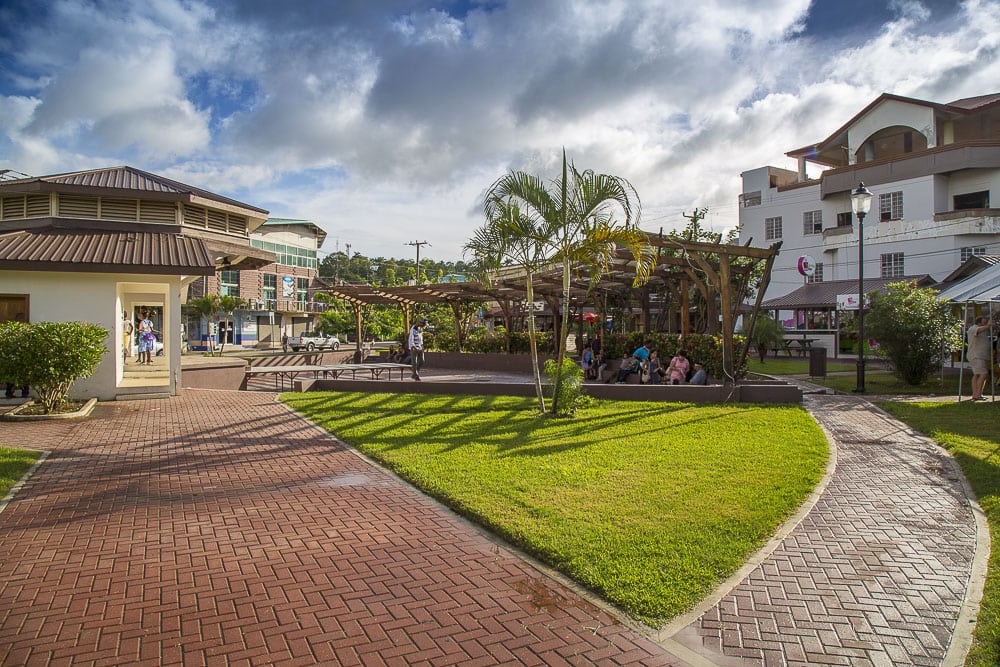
(181, 532)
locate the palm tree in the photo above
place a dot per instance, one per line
(510, 238)
(584, 218)
(207, 307)
(228, 305)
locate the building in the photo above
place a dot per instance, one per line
(278, 295)
(934, 170)
(104, 244)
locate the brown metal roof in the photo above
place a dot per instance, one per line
(53, 249)
(824, 295)
(121, 178)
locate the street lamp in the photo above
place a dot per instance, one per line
(861, 201)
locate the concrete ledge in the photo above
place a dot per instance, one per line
(746, 393)
(213, 373)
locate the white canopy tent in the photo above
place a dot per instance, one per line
(981, 288)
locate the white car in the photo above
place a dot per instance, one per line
(157, 349)
(310, 341)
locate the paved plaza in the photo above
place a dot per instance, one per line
(220, 528)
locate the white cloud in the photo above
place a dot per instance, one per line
(384, 120)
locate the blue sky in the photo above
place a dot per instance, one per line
(384, 121)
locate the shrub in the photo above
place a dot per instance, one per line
(50, 356)
(767, 333)
(701, 348)
(571, 394)
(913, 329)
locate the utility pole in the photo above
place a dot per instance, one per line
(348, 257)
(416, 275)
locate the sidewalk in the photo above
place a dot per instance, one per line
(175, 532)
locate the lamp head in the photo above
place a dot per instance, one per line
(861, 200)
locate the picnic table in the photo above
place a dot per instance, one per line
(800, 345)
(376, 371)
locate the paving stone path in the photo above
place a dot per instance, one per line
(220, 528)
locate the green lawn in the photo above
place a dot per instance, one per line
(13, 464)
(782, 366)
(884, 382)
(969, 432)
(648, 504)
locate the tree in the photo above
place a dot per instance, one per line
(584, 218)
(50, 356)
(228, 305)
(766, 334)
(913, 329)
(206, 307)
(509, 237)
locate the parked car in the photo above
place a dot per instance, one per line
(157, 349)
(312, 341)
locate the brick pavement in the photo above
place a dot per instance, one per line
(875, 574)
(170, 532)
(219, 528)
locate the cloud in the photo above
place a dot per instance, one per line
(384, 119)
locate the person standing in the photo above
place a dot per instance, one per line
(415, 342)
(146, 339)
(284, 341)
(979, 355)
(127, 329)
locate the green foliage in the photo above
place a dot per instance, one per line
(913, 329)
(701, 348)
(569, 386)
(50, 356)
(767, 333)
(650, 521)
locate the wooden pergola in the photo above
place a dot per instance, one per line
(720, 272)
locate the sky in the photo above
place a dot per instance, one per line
(385, 121)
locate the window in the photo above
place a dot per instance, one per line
(969, 251)
(748, 199)
(817, 276)
(229, 283)
(772, 228)
(972, 200)
(892, 265)
(270, 292)
(289, 255)
(301, 289)
(890, 206)
(844, 219)
(812, 222)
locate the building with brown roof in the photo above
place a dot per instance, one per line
(92, 245)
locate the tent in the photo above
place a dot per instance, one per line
(980, 288)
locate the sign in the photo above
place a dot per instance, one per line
(288, 287)
(807, 265)
(849, 302)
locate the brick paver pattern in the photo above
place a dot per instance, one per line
(219, 528)
(874, 575)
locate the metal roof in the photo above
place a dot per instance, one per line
(54, 249)
(122, 178)
(824, 295)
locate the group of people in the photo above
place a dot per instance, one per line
(646, 362)
(145, 338)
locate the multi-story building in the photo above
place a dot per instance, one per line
(933, 169)
(277, 295)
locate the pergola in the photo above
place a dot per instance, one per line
(714, 269)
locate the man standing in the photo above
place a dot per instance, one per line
(979, 355)
(415, 343)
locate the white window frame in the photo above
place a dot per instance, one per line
(972, 251)
(772, 228)
(812, 222)
(890, 206)
(817, 276)
(893, 265)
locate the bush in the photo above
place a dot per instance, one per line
(701, 348)
(50, 356)
(571, 394)
(913, 329)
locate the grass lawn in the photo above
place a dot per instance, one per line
(782, 366)
(969, 432)
(649, 504)
(884, 382)
(13, 464)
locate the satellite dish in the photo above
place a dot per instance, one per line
(807, 265)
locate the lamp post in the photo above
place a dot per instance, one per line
(861, 201)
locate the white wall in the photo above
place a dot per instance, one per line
(94, 298)
(891, 113)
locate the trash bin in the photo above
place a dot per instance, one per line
(817, 362)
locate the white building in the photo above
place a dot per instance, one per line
(933, 168)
